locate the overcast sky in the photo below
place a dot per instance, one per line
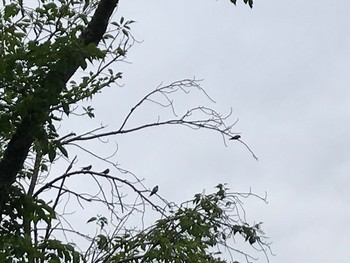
(284, 69)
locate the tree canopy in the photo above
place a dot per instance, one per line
(42, 47)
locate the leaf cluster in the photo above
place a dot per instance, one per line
(200, 232)
(38, 48)
(19, 239)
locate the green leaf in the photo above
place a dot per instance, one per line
(102, 241)
(65, 107)
(10, 11)
(130, 22)
(252, 240)
(44, 168)
(251, 3)
(125, 32)
(236, 228)
(115, 24)
(108, 36)
(92, 219)
(120, 51)
(52, 153)
(62, 149)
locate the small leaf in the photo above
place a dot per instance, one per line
(92, 219)
(65, 107)
(252, 240)
(236, 228)
(52, 154)
(108, 36)
(44, 168)
(251, 3)
(121, 51)
(62, 149)
(102, 241)
(125, 32)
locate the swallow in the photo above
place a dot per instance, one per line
(154, 190)
(87, 168)
(105, 171)
(236, 137)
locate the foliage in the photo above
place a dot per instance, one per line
(41, 49)
(37, 48)
(16, 239)
(197, 231)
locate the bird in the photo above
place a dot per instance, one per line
(154, 190)
(236, 137)
(105, 171)
(87, 168)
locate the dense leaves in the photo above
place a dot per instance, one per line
(36, 51)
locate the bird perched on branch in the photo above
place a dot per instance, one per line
(154, 190)
(236, 137)
(105, 171)
(87, 168)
